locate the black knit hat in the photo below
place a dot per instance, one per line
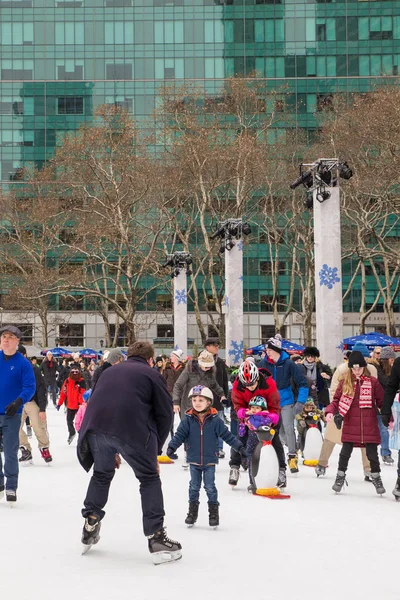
(275, 343)
(356, 359)
(311, 351)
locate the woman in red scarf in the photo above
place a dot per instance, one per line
(355, 407)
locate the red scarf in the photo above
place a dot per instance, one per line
(365, 400)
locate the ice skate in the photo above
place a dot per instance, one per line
(221, 453)
(281, 483)
(252, 488)
(339, 482)
(46, 455)
(71, 438)
(387, 460)
(377, 481)
(213, 515)
(320, 470)
(293, 464)
(192, 514)
(234, 476)
(163, 549)
(26, 456)
(396, 491)
(367, 476)
(11, 496)
(90, 533)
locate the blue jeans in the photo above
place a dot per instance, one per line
(10, 426)
(385, 451)
(143, 462)
(220, 440)
(207, 474)
(52, 389)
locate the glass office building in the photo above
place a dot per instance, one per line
(62, 58)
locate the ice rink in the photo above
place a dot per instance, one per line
(316, 545)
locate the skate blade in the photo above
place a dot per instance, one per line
(26, 463)
(214, 527)
(160, 558)
(86, 548)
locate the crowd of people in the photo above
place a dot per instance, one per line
(351, 405)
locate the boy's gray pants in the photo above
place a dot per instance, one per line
(286, 432)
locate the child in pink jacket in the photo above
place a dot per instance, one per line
(82, 409)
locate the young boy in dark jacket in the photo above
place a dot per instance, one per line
(200, 430)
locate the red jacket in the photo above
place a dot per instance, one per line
(72, 392)
(266, 388)
(360, 425)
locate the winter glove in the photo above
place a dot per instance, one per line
(338, 420)
(386, 420)
(225, 403)
(298, 408)
(13, 407)
(170, 451)
(58, 407)
(243, 452)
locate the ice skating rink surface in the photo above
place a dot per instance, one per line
(317, 545)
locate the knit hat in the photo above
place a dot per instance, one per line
(311, 351)
(296, 357)
(388, 352)
(360, 347)
(211, 341)
(75, 356)
(206, 359)
(356, 359)
(178, 353)
(158, 359)
(275, 343)
(114, 356)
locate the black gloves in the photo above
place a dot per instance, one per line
(13, 407)
(170, 451)
(58, 407)
(243, 452)
(225, 403)
(386, 420)
(338, 420)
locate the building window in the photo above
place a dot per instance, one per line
(169, 68)
(70, 302)
(164, 301)
(212, 332)
(267, 331)
(266, 301)
(267, 267)
(27, 333)
(168, 32)
(16, 34)
(122, 339)
(119, 71)
(70, 105)
(17, 69)
(118, 32)
(165, 331)
(72, 335)
(69, 33)
(69, 70)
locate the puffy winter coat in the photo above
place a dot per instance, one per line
(284, 372)
(360, 425)
(72, 392)
(341, 371)
(201, 437)
(171, 376)
(50, 371)
(191, 376)
(266, 388)
(392, 387)
(320, 390)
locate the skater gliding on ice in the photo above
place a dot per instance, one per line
(129, 413)
(71, 394)
(354, 408)
(201, 429)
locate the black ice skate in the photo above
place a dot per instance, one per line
(71, 438)
(213, 515)
(90, 533)
(281, 483)
(320, 470)
(234, 476)
(193, 513)
(340, 481)
(11, 495)
(26, 456)
(377, 481)
(163, 549)
(387, 460)
(396, 491)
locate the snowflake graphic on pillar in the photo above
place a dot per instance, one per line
(226, 301)
(236, 351)
(239, 245)
(328, 276)
(181, 296)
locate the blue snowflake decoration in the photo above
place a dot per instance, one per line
(328, 276)
(239, 245)
(236, 351)
(241, 278)
(226, 301)
(176, 347)
(340, 347)
(181, 296)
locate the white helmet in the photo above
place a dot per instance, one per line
(248, 373)
(201, 390)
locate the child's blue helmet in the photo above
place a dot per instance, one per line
(258, 401)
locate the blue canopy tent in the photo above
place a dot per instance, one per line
(371, 340)
(88, 353)
(288, 346)
(56, 352)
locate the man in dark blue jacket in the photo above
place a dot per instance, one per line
(285, 371)
(129, 413)
(17, 387)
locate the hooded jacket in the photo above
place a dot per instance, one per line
(191, 376)
(72, 393)
(284, 372)
(201, 437)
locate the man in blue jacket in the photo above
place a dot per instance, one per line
(285, 372)
(129, 413)
(17, 386)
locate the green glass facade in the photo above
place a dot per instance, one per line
(62, 58)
